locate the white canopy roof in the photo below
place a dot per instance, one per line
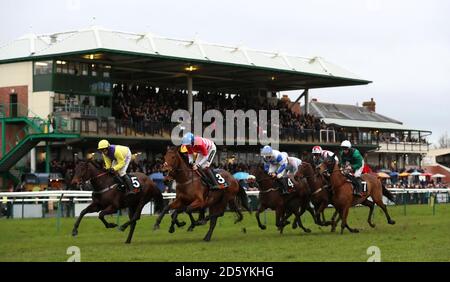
(98, 39)
(366, 124)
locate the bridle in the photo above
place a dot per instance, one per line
(88, 181)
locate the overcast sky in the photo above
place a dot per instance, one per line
(402, 46)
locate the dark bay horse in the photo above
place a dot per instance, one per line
(284, 205)
(192, 194)
(106, 199)
(343, 197)
(320, 195)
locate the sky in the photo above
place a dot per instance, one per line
(402, 46)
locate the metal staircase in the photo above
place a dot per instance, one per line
(33, 130)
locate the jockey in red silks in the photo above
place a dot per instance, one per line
(206, 151)
(319, 155)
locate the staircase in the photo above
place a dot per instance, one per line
(34, 130)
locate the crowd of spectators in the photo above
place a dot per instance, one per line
(149, 109)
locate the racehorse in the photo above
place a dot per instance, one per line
(193, 194)
(284, 205)
(343, 197)
(108, 200)
(320, 196)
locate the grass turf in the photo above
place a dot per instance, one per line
(417, 236)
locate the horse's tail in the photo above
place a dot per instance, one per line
(243, 198)
(158, 200)
(387, 193)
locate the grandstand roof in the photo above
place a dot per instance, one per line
(284, 72)
(355, 116)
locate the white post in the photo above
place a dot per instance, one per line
(33, 160)
(190, 96)
(307, 101)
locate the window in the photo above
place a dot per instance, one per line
(44, 67)
(60, 65)
(93, 70)
(106, 71)
(71, 68)
(84, 69)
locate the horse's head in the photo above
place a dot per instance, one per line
(304, 170)
(80, 173)
(327, 165)
(84, 171)
(172, 159)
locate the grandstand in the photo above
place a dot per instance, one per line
(60, 93)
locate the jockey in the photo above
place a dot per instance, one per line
(206, 150)
(275, 164)
(293, 164)
(117, 158)
(352, 160)
(319, 155)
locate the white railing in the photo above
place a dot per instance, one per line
(31, 204)
(85, 196)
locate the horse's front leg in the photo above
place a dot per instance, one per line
(89, 209)
(109, 210)
(261, 208)
(176, 206)
(160, 217)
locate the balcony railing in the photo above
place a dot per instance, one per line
(87, 111)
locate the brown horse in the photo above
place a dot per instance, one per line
(106, 199)
(343, 197)
(284, 205)
(320, 195)
(193, 194)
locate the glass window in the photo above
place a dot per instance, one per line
(60, 65)
(93, 70)
(84, 69)
(106, 71)
(44, 67)
(71, 68)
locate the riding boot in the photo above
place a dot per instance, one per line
(283, 185)
(359, 186)
(119, 181)
(212, 178)
(129, 185)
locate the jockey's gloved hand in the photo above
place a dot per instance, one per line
(279, 175)
(111, 171)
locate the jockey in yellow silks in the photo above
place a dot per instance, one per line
(117, 159)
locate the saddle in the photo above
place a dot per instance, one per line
(357, 190)
(121, 185)
(223, 184)
(285, 185)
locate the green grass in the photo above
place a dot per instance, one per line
(418, 236)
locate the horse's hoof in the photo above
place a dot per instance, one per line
(244, 230)
(333, 229)
(112, 225)
(122, 228)
(181, 224)
(155, 227)
(263, 227)
(294, 225)
(372, 225)
(207, 239)
(307, 230)
(171, 230)
(392, 222)
(127, 242)
(190, 229)
(74, 233)
(354, 230)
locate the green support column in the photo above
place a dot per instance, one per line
(3, 137)
(47, 157)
